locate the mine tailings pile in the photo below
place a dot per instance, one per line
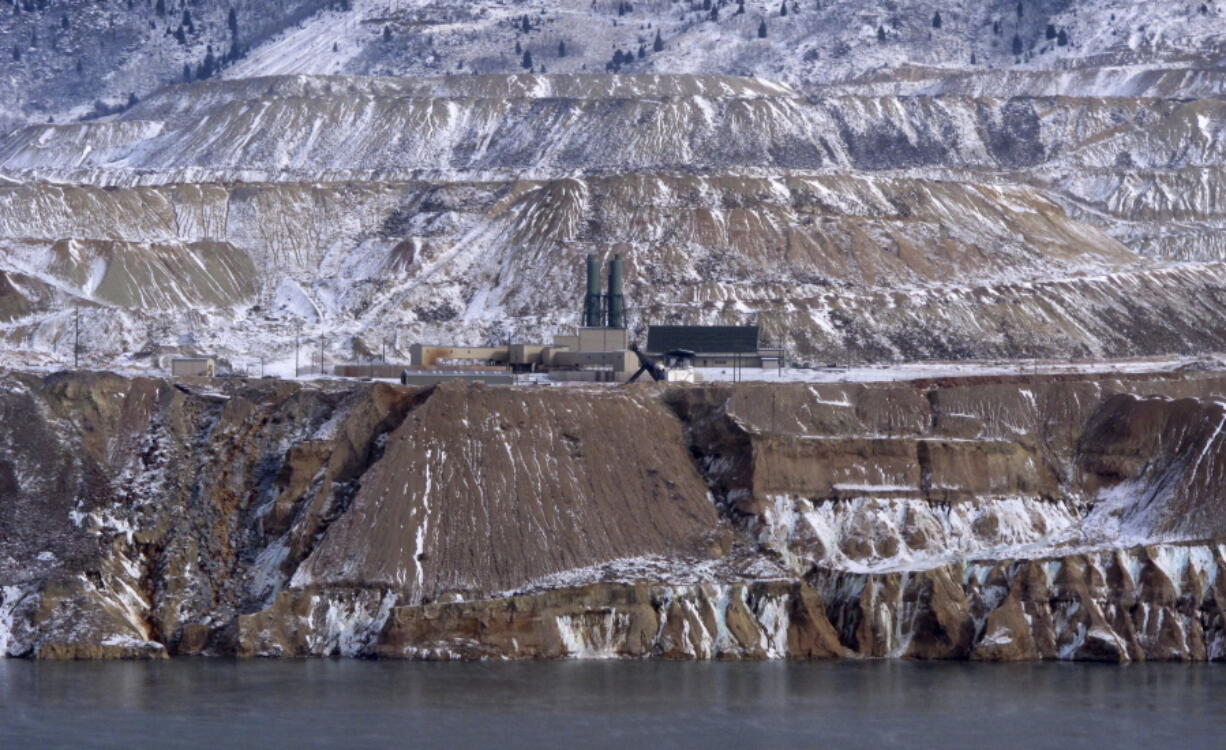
(1001, 518)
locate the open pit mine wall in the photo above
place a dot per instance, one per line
(1028, 517)
(227, 214)
(834, 267)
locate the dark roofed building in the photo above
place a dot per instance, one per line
(713, 346)
(703, 339)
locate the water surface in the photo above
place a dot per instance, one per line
(636, 705)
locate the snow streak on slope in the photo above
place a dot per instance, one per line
(322, 44)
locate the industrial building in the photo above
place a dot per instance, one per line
(714, 346)
(584, 352)
(193, 367)
(597, 351)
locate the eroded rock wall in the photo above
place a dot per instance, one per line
(1019, 517)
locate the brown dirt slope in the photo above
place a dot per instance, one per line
(482, 490)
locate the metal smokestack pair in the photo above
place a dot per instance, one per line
(604, 310)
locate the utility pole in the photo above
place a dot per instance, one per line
(76, 338)
(297, 331)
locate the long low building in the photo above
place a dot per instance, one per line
(193, 367)
(594, 354)
(714, 346)
(427, 378)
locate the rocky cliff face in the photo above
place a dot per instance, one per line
(993, 518)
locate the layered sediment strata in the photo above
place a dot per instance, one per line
(1018, 517)
(227, 216)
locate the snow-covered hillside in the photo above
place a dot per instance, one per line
(66, 60)
(815, 41)
(867, 181)
(81, 58)
(236, 217)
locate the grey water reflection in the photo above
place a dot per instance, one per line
(351, 704)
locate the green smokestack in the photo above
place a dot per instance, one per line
(617, 302)
(593, 314)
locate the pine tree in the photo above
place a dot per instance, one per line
(187, 73)
(783, 8)
(524, 25)
(740, 8)
(706, 4)
(518, 49)
(210, 63)
(180, 36)
(642, 52)
(187, 20)
(387, 33)
(715, 13)
(936, 20)
(16, 53)
(1051, 31)
(64, 21)
(562, 48)
(1062, 38)
(762, 29)
(881, 34)
(526, 63)
(132, 100)
(336, 47)
(658, 44)
(232, 22)
(1017, 44)
(80, 67)
(1020, 10)
(973, 62)
(160, 8)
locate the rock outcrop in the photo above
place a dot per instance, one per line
(1002, 518)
